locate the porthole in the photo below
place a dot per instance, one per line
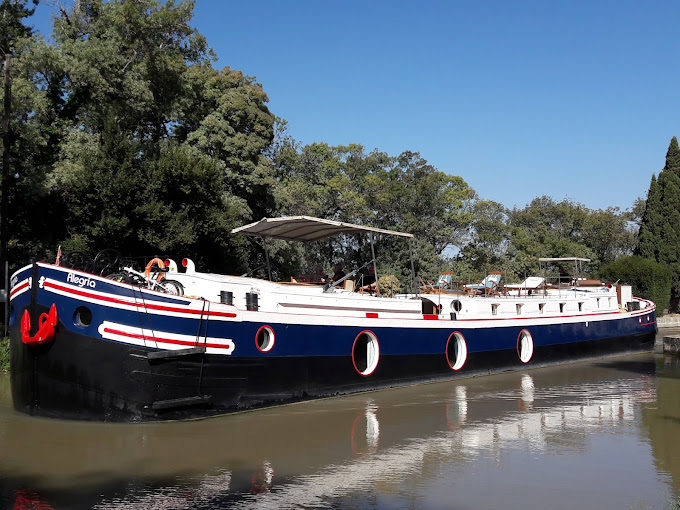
(456, 351)
(264, 339)
(365, 353)
(82, 316)
(525, 346)
(456, 305)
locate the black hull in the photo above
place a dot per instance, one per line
(84, 378)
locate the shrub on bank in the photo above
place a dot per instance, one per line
(649, 279)
(4, 354)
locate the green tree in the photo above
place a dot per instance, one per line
(12, 29)
(404, 193)
(659, 236)
(546, 228)
(107, 113)
(186, 211)
(649, 279)
(225, 116)
(127, 58)
(607, 234)
(489, 235)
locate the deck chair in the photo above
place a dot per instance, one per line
(529, 285)
(445, 280)
(488, 285)
(443, 283)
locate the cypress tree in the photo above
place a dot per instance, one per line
(650, 226)
(659, 236)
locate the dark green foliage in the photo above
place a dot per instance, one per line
(12, 14)
(650, 279)
(186, 213)
(402, 193)
(124, 136)
(659, 236)
(4, 354)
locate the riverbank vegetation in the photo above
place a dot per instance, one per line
(4, 354)
(123, 135)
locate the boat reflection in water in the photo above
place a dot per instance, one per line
(407, 444)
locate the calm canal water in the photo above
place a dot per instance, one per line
(601, 434)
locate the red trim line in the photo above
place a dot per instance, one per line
(430, 317)
(163, 340)
(371, 315)
(145, 305)
(17, 289)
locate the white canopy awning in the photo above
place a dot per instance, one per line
(306, 228)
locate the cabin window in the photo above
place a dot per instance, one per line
(494, 309)
(541, 307)
(610, 301)
(562, 305)
(598, 302)
(580, 307)
(519, 308)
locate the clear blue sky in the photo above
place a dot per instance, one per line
(572, 99)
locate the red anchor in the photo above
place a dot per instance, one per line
(47, 324)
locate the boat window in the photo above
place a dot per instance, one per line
(365, 353)
(494, 309)
(519, 308)
(580, 307)
(598, 302)
(541, 307)
(562, 305)
(525, 346)
(456, 351)
(264, 339)
(82, 316)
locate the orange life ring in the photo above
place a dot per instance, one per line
(155, 262)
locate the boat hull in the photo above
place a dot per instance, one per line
(107, 370)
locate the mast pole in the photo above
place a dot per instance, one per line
(4, 185)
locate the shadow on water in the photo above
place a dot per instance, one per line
(645, 366)
(513, 439)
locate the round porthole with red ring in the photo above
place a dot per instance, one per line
(525, 346)
(456, 351)
(365, 353)
(264, 339)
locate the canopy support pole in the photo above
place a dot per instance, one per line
(375, 267)
(266, 257)
(413, 270)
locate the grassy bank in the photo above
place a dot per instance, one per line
(4, 354)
